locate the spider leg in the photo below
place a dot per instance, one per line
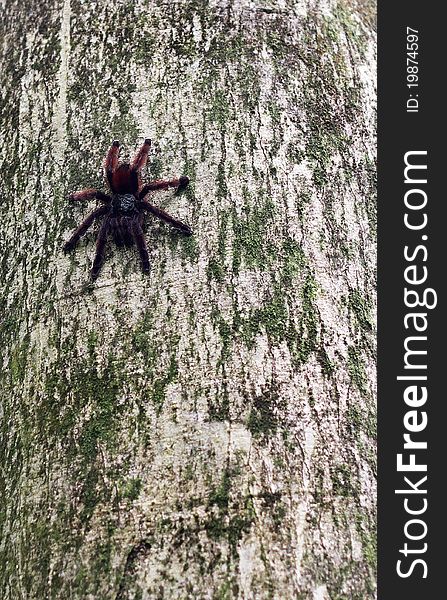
(71, 243)
(100, 246)
(111, 161)
(160, 184)
(141, 156)
(89, 194)
(164, 216)
(141, 245)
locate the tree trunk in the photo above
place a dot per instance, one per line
(207, 431)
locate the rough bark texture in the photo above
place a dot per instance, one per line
(206, 432)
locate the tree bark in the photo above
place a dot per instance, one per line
(208, 431)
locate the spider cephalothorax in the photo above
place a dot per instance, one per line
(124, 210)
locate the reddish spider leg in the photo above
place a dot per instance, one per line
(160, 184)
(164, 216)
(140, 159)
(71, 243)
(89, 194)
(100, 246)
(111, 161)
(140, 242)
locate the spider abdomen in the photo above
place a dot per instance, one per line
(123, 204)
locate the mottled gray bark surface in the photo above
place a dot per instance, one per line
(206, 432)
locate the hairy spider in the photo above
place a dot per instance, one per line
(125, 209)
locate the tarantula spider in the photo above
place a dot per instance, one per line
(125, 209)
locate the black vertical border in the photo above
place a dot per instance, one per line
(399, 132)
